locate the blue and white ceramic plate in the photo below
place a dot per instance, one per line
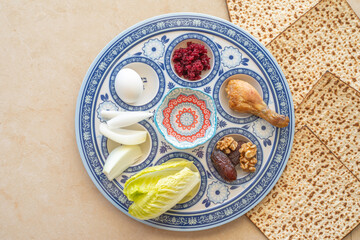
(147, 48)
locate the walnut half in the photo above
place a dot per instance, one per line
(226, 144)
(248, 157)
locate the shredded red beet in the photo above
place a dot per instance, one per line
(191, 61)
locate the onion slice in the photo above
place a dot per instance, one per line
(123, 136)
(120, 159)
(124, 119)
(107, 115)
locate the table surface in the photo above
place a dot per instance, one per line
(45, 191)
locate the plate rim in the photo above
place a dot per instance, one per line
(178, 14)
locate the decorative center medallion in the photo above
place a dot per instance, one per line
(186, 118)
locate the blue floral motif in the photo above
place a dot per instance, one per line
(199, 152)
(207, 90)
(164, 147)
(245, 61)
(231, 57)
(192, 221)
(171, 85)
(124, 178)
(152, 117)
(123, 199)
(221, 71)
(164, 39)
(263, 129)
(161, 65)
(217, 192)
(222, 124)
(206, 202)
(154, 49)
(98, 170)
(107, 106)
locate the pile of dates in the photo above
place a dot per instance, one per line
(228, 153)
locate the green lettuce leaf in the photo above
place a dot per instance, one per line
(157, 189)
(142, 182)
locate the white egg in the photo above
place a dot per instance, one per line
(128, 85)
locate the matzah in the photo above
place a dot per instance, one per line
(265, 19)
(316, 197)
(332, 111)
(326, 38)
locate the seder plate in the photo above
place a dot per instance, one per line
(147, 48)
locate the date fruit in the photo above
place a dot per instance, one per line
(223, 165)
(234, 156)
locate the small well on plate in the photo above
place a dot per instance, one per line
(150, 80)
(145, 147)
(238, 137)
(237, 134)
(152, 77)
(223, 96)
(210, 54)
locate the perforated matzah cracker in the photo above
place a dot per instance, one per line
(332, 111)
(265, 19)
(325, 38)
(316, 197)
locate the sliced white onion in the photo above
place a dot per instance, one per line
(107, 115)
(123, 136)
(120, 159)
(124, 119)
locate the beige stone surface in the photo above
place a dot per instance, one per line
(46, 49)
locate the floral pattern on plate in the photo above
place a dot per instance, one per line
(154, 49)
(263, 130)
(218, 192)
(231, 57)
(105, 105)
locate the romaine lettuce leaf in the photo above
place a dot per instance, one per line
(143, 181)
(157, 189)
(167, 192)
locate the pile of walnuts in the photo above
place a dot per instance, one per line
(227, 144)
(247, 157)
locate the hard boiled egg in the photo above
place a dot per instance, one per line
(128, 85)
